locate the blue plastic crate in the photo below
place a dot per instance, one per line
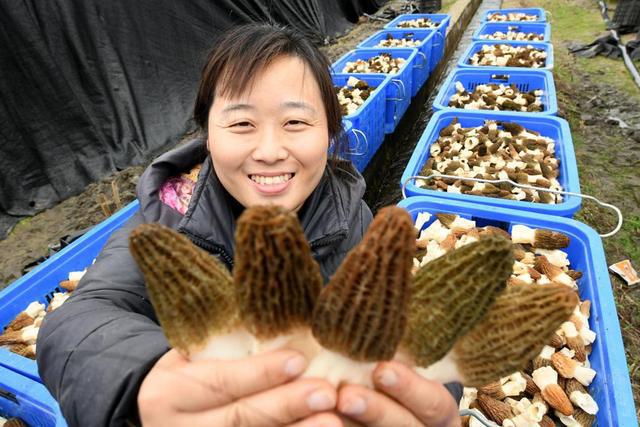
(549, 126)
(400, 84)
(476, 46)
(369, 118)
(525, 79)
(40, 283)
(420, 74)
(539, 28)
(28, 400)
(540, 13)
(611, 387)
(439, 39)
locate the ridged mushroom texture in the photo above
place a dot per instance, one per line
(360, 316)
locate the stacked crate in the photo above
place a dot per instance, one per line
(457, 102)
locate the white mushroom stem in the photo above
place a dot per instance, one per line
(584, 401)
(75, 276)
(545, 376)
(444, 370)
(522, 234)
(569, 330)
(34, 309)
(57, 300)
(422, 219)
(568, 421)
(232, 346)
(469, 395)
(462, 223)
(554, 256)
(338, 369)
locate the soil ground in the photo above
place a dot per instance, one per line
(597, 96)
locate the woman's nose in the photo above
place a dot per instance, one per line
(269, 147)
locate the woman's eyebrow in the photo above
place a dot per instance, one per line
(236, 107)
(298, 104)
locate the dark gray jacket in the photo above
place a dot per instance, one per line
(94, 351)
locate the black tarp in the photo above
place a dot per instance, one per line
(90, 87)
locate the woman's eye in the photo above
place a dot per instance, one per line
(241, 124)
(296, 123)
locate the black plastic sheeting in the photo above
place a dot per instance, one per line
(626, 18)
(90, 87)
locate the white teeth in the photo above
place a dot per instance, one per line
(271, 180)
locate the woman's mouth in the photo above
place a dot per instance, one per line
(271, 184)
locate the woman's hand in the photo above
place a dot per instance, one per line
(257, 391)
(403, 398)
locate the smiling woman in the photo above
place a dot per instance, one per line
(269, 144)
(268, 116)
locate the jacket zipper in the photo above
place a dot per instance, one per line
(212, 248)
(327, 240)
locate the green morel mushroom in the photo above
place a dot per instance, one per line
(452, 293)
(191, 292)
(276, 279)
(513, 332)
(360, 316)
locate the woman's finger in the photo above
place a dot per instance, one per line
(213, 383)
(373, 408)
(326, 419)
(282, 405)
(428, 400)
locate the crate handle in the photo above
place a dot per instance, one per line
(400, 85)
(6, 394)
(424, 61)
(478, 416)
(500, 77)
(437, 44)
(529, 187)
(366, 143)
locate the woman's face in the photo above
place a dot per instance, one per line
(269, 145)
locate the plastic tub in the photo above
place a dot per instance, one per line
(399, 88)
(539, 12)
(552, 127)
(539, 28)
(28, 400)
(40, 283)
(420, 74)
(368, 118)
(476, 46)
(611, 387)
(525, 79)
(443, 21)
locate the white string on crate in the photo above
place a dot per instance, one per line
(478, 416)
(529, 187)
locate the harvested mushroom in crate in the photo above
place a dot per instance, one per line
(384, 63)
(554, 387)
(498, 97)
(353, 95)
(511, 17)
(418, 23)
(504, 55)
(12, 422)
(406, 41)
(19, 336)
(495, 151)
(513, 34)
